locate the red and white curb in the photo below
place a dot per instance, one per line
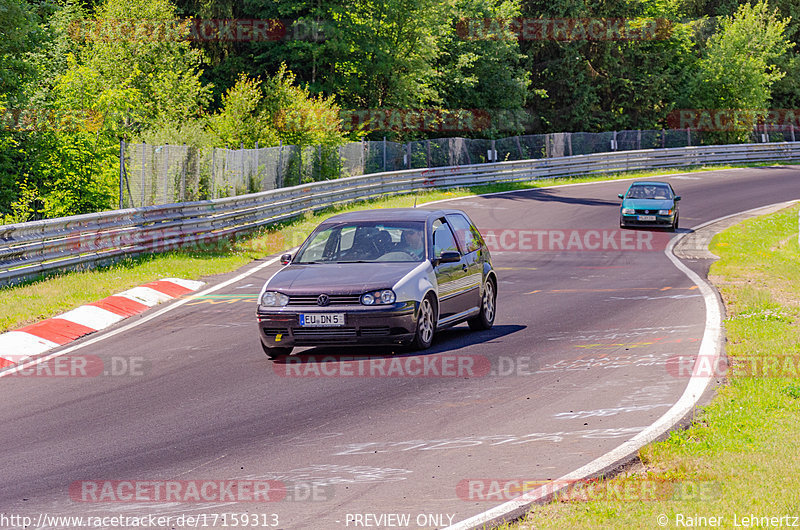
(37, 338)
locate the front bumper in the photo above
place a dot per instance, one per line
(393, 324)
(660, 221)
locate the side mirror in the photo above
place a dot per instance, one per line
(621, 196)
(285, 259)
(449, 256)
(677, 198)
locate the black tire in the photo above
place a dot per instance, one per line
(426, 324)
(485, 319)
(272, 353)
(675, 224)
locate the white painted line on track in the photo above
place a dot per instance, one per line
(710, 348)
(132, 325)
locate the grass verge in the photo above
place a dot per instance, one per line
(739, 462)
(53, 294)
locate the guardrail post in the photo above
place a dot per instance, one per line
(688, 137)
(384, 153)
(791, 130)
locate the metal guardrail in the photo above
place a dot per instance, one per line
(83, 241)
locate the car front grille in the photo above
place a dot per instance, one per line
(322, 333)
(334, 299)
(375, 331)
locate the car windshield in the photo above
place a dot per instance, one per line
(360, 242)
(649, 192)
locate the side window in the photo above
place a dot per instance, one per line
(443, 239)
(467, 235)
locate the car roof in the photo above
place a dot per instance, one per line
(650, 183)
(390, 214)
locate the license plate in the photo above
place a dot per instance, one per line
(322, 320)
(647, 217)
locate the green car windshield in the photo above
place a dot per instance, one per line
(365, 242)
(649, 192)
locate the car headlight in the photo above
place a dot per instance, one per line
(665, 212)
(628, 211)
(274, 299)
(385, 296)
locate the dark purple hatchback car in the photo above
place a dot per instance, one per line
(385, 276)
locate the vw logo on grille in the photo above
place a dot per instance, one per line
(323, 299)
(647, 211)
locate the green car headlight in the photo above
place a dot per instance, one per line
(628, 211)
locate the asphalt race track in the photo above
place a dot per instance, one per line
(577, 363)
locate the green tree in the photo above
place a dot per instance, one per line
(299, 117)
(630, 79)
(739, 67)
(485, 71)
(385, 52)
(19, 31)
(242, 119)
(276, 109)
(136, 68)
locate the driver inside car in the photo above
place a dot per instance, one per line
(411, 243)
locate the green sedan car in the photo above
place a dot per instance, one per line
(649, 204)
